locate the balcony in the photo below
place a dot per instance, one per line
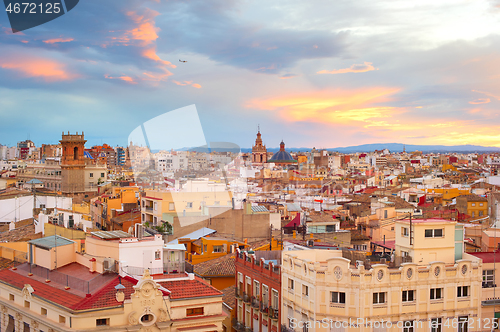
(246, 298)
(273, 313)
(255, 302)
(263, 308)
(148, 209)
(238, 326)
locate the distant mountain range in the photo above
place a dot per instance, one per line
(397, 147)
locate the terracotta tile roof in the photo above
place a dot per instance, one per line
(181, 289)
(105, 297)
(472, 198)
(42, 290)
(229, 296)
(22, 233)
(221, 266)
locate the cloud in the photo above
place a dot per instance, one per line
(333, 106)
(362, 68)
(37, 67)
(480, 101)
(488, 94)
(58, 40)
(194, 85)
(127, 79)
(287, 76)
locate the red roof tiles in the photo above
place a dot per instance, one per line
(189, 289)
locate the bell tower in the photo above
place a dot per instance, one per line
(259, 151)
(73, 163)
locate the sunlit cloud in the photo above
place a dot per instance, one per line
(58, 40)
(287, 76)
(488, 94)
(127, 79)
(150, 53)
(36, 67)
(361, 68)
(333, 106)
(480, 101)
(194, 85)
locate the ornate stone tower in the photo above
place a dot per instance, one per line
(259, 151)
(73, 163)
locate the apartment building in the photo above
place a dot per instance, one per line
(258, 291)
(322, 291)
(83, 293)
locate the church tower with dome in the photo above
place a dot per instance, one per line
(282, 158)
(259, 151)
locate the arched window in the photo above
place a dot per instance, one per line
(75, 153)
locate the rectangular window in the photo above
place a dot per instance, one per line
(436, 293)
(436, 325)
(408, 296)
(91, 175)
(194, 311)
(473, 214)
(473, 204)
(62, 319)
(405, 231)
(305, 290)
(338, 297)
(157, 254)
(171, 206)
(189, 205)
(275, 299)
(480, 213)
(26, 304)
(102, 175)
(290, 284)
(488, 279)
(102, 322)
(434, 232)
(256, 289)
(408, 326)
(463, 291)
(11, 297)
(43, 311)
(218, 248)
(463, 324)
(379, 298)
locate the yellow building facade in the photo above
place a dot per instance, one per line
(325, 292)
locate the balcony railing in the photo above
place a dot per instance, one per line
(255, 302)
(273, 313)
(238, 326)
(148, 209)
(285, 328)
(264, 308)
(246, 298)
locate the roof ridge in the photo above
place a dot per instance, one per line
(94, 296)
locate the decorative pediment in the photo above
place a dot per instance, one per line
(27, 291)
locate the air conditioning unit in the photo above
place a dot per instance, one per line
(108, 265)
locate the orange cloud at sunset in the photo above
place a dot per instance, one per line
(480, 101)
(195, 85)
(331, 106)
(46, 69)
(367, 66)
(127, 79)
(150, 53)
(146, 31)
(58, 40)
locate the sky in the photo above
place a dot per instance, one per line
(315, 73)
